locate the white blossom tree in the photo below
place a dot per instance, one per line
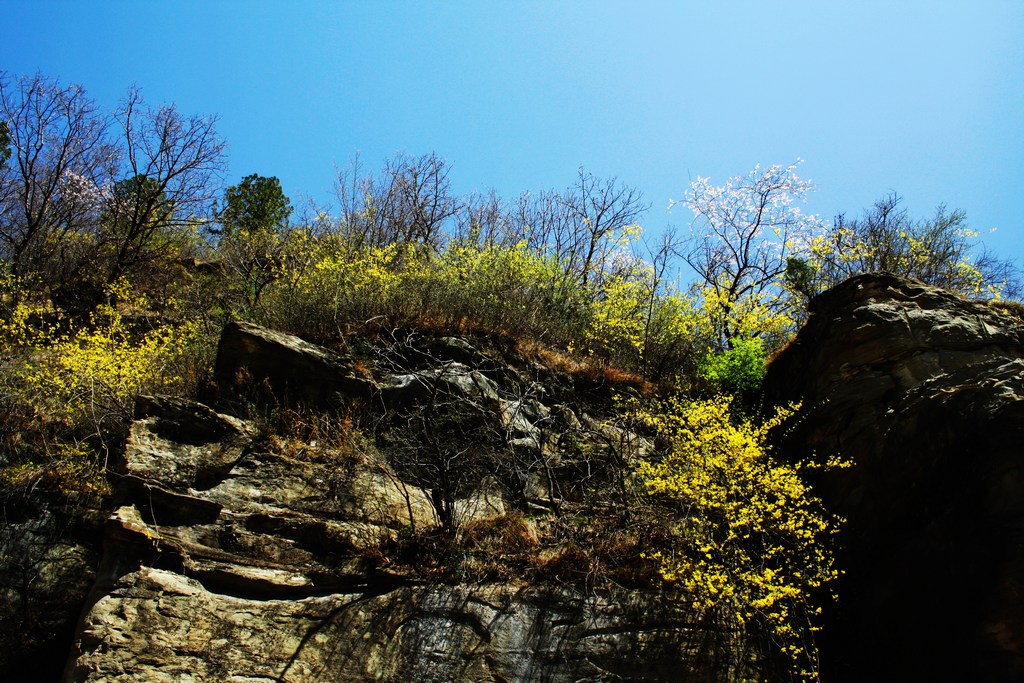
(740, 238)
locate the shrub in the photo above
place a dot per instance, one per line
(91, 376)
(747, 537)
(942, 251)
(1007, 307)
(77, 383)
(328, 288)
(737, 370)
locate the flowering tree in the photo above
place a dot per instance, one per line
(59, 158)
(741, 236)
(81, 205)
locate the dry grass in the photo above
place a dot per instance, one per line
(1008, 307)
(588, 368)
(512, 533)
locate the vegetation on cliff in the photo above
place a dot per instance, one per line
(120, 271)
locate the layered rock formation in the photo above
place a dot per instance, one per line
(233, 553)
(231, 557)
(924, 392)
(156, 624)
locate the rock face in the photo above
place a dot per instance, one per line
(293, 368)
(48, 557)
(159, 625)
(233, 557)
(924, 392)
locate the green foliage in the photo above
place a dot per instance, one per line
(255, 204)
(799, 277)
(254, 235)
(137, 228)
(736, 370)
(138, 199)
(747, 538)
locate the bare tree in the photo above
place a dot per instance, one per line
(596, 212)
(81, 206)
(481, 221)
(173, 168)
(661, 350)
(582, 227)
(442, 439)
(536, 218)
(942, 251)
(63, 164)
(409, 202)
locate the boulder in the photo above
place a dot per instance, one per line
(205, 444)
(449, 382)
(923, 391)
(295, 370)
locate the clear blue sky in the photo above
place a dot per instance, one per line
(925, 98)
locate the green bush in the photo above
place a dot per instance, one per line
(737, 370)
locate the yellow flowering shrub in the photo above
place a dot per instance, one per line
(618, 318)
(749, 539)
(491, 286)
(95, 373)
(765, 315)
(80, 385)
(942, 252)
(333, 285)
(71, 467)
(328, 286)
(325, 285)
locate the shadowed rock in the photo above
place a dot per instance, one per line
(924, 392)
(295, 370)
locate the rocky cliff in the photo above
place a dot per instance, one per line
(419, 546)
(234, 556)
(924, 393)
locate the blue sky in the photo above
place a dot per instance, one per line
(922, 98)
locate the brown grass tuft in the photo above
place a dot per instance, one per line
(512, 533)
(1008, 307)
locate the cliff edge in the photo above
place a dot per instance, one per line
(923, 393)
